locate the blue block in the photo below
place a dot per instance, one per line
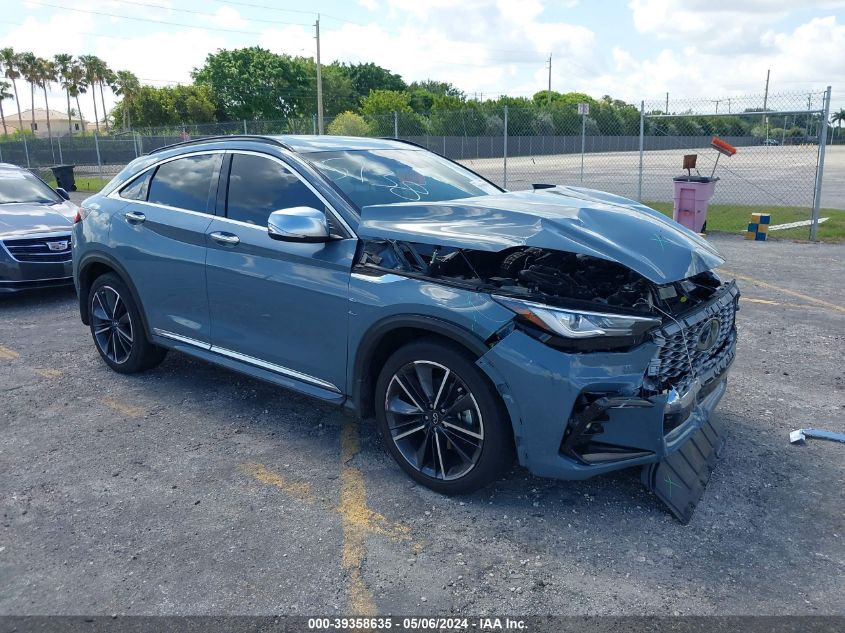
(752, 227)
(760, 237)
(765, 219)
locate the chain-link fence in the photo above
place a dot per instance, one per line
(610, 145)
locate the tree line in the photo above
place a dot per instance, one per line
(255, 84)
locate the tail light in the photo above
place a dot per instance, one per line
(81, 214)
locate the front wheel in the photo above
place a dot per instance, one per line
(116, 327)
(441, 419)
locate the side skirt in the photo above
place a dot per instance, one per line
(226, 359)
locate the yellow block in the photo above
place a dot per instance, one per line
(750, 235)
(755, 217)
(763, 228)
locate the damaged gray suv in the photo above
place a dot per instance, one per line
(574, 330)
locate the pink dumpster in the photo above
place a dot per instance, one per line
(692, 194)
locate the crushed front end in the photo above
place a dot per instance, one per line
(587, 407)
(615, 334)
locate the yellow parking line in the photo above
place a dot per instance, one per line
(356, 518)
(7, 353)
(124, 409)
(48, 373)
(299, 489)
(354, 514)
(763, 301)
(763, 284)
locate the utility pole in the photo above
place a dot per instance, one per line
(766, 94)
(319, 82)
(666, 111)
(549, 95)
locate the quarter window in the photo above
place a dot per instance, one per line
(258, 186)
(186, 183)
(137, 189)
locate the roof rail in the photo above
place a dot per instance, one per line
(228, 137)
(407, 142)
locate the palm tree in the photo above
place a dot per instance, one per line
(64, 62)
(77, 87)
(4, 94)
(839, 118)
(10, 70)
(126, 84)
(106, 75)
(46, 74)
(91, 68)
(29, 71)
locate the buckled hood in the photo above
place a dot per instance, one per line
(572, 219)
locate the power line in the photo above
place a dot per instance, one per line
(192, 12)
(137, 19)
(269, 8)
(239, 31)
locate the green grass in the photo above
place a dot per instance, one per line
(83, 183)
(734, 218)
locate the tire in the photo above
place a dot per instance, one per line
(469, 424)
(117, 329)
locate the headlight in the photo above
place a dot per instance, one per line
(578, 325)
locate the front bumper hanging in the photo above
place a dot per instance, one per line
(679, 480)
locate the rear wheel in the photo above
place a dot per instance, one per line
(116, 327)
(441, 418)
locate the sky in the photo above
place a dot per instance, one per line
(630, 49)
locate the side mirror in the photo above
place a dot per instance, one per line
(298, 224)
(64, 194)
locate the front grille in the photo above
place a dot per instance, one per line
(38, 249)
(677, 345)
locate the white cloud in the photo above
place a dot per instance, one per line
(478, 46)
(808, 56)
(729, 26)
(159, 58)
(229, 18)
(707, 48)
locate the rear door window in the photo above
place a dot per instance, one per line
(258, 186)
(187, 183)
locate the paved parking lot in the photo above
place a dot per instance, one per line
(766, 176)
(193, 490)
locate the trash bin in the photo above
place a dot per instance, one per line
(692, 195)
(64, 176)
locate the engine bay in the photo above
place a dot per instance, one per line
(546, 276)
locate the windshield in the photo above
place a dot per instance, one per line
(17, 185)
(386, 176)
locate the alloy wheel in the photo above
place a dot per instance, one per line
(111, 324)
(434, 420)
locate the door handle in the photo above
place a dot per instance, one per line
(224, 238)
(135, 217)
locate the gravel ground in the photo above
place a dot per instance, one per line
(193, 490)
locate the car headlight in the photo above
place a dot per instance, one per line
(592, 330)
